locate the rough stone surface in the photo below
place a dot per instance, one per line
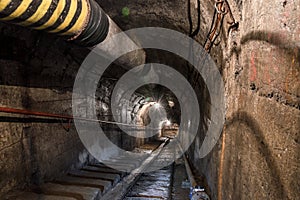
(37, 73)
(258, 154)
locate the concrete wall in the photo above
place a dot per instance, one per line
(258, 154)
(37, 73)
(262, 148)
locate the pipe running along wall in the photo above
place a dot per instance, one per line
(80, 21)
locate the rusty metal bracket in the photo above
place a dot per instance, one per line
(222, 8)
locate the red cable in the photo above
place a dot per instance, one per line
(43, 114)
(28, 112)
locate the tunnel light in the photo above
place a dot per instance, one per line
(171, 103)
(168, 123)
(104, 107)
(157, 105)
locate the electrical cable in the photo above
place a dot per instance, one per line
(192, 33)
(57, 116)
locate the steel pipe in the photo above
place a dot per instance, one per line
(80, 21)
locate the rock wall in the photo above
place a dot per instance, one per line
(258, 154)
(262, 132)
(37, 73)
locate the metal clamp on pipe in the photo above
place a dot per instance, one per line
(80, 20)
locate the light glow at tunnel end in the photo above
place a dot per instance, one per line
(85, 86)
(168, 123)
(157, 105)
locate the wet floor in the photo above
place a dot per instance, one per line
(155, 184)
(164, 183)
(152, 185)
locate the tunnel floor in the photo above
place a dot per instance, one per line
(97, 181)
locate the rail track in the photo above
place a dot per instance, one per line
(96, 181)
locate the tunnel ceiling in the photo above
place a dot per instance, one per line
(32, 49)
(155, 13)
(167, 14)
(160, 13)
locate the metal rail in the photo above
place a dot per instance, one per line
(189, 172)
(187, 166)
(122, 188)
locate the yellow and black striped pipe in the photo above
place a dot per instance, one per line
(80, 20)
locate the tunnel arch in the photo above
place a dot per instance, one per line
(39, 71)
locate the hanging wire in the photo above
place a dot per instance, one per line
(69, 118)
(196, 31)
(192, 33)
(217, 22)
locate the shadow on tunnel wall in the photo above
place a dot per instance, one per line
(290, 49)
(39, 61)
(273, 38)
(264, 149)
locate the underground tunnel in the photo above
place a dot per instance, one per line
(149, 99)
